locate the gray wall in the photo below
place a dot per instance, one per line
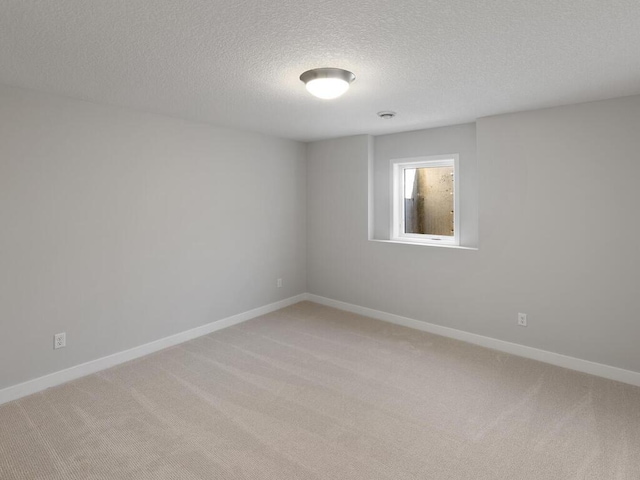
(120, 228)
(558, 223)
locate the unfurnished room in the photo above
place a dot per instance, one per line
(319, 240)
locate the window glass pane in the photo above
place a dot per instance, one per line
(428, 201)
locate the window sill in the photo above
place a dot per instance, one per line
(418, 244)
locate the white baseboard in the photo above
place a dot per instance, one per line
(36, 385)
(57, 378)
(584, 366)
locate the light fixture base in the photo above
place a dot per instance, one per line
(317, 73)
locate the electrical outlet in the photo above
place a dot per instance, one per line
(59, 340)
(279, 283)
(522, 319)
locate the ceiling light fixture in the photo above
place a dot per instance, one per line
(327, 83)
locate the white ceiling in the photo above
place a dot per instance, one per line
(236, 63)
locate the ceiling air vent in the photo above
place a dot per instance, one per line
(387, 114)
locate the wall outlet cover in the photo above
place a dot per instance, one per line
(59, 340)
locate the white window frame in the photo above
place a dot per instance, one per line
(398, 166)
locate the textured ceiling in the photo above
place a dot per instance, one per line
(236, 63)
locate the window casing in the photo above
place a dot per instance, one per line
(425, 200)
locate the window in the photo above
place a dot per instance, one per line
(425, 200)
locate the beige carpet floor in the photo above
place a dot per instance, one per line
(311, 392)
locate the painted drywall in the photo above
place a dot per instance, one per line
(558, 226)
(237, 63)
(460, 139)
(120, 228)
